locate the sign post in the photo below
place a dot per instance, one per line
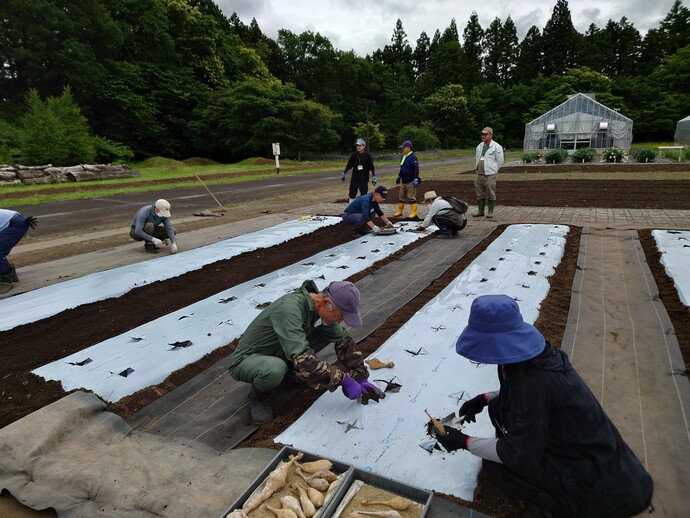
(276, 152)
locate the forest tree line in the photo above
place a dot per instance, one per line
(179, 78)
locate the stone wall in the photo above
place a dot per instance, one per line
(40, 174)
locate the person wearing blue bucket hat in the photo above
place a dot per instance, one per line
(555, 448)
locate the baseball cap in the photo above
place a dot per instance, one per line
(345, 296)
(382, 191)
(488, 130)
(163, 208)
(407, 143)
(360, 142)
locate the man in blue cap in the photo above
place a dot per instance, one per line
(555, 447)
(361, 164)
(282, 341)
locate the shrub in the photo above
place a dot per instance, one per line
(584, 154)
(528, 158)
(556, 156)
(612, 154)
(422, 137)
(644, 154)
(108, 151)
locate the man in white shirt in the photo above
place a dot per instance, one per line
(489, 159)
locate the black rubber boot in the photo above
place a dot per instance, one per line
(13, 271)
(6, 282)
(445, 233)
(150, 247)
(259, 408)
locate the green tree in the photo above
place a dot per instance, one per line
(376, 138)
(561, 41)
(422, 136)
(54, 132)
(310, 128)
(472, 37)
(530, 58)
(447, 110)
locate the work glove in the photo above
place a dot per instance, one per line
(375, 229)
(389, 225)
(371, 390)
(173, 248)
(31, 221)
(453, 439)
(415, 182)
(374, 180)
(420, 228)
(342, 177)
(351, 388)
(157, 241)
(470, 409)
(398, 180)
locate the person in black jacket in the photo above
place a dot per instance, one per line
(361, 164)
(555, 447)
(408, 180)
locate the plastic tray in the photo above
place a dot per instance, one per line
(284, 454)
(413, 493)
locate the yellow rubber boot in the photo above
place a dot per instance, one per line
(401, 207)
(413, 214)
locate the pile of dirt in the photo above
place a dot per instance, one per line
(197, 160)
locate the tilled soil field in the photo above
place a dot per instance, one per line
(27, 347)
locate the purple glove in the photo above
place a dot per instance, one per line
(351, 388)
(371, 389)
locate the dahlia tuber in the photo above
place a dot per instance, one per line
(317, 483)
(397, 502)
(290, 502)
(237, 513)
(314, 466)
(282, 513)
(375, 363)
(382, 514)
(307, 505)
(274, 483)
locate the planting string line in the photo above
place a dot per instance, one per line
(603, 305)
(583, 246)
(222, 422)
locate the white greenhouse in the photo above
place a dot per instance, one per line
(579, 122)
(682, 136)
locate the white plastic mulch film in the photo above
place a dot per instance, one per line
(147, 354)
(579, 122)
(389, 438)
(674, 246)
(48, 301)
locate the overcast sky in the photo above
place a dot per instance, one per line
(367, 25)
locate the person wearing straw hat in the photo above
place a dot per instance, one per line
(151, 224)
(280, 346)
(555, 448)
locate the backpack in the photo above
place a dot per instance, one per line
(459, 206)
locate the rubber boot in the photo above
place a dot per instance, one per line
(413, 214)
(401, 207)
(13, 271)
(6, 282)
(150, 247)
(490, 213)
(445, 233)
(259, 409)
(480, 209)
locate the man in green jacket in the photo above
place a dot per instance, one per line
(281, 342)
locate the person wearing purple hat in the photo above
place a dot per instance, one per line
(281, 343)
(555, 447)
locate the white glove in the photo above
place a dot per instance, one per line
(389, 225)
(173, 248)
(157, 241)
(375, 229)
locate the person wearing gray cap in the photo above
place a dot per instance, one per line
(361, 164)
(280, 346)
(554, 447)
(151, 224)
(488, 160)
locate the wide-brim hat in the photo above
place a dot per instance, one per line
(497, 334)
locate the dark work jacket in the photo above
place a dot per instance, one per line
(365, 205)
(367, 163)
(409, 169)
(557, 433)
